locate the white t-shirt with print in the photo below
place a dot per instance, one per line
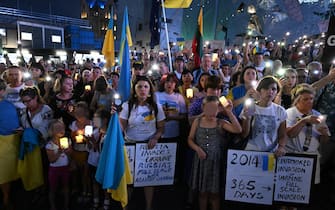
(63, 159)
(265, 125)
(12, 94)
(174, 104)
(141, 122)
(296, 144)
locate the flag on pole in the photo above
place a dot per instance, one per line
(155, 23)
(113, 170)
(177, 3)
(108, 47)
(125, 43)
(197, 41)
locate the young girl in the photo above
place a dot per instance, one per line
(80, 153)
(205, 139)
(100, 121)
(58, 156)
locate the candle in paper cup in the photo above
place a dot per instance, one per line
(88, 87)
(189, 93)
(79, 138)
(64, 142)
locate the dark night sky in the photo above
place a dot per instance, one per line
(69, 8)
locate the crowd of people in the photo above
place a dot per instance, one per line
(240, 98)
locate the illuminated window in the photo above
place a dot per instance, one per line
(2, 32)
(26, 36)
(56, 39)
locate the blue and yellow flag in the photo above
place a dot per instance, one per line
(113, 170)
(125, 43)
(108, 47)
(177, 3)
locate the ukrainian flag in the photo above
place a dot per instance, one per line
(108, 47)
(113, 170)
(177, 3)
(125, 43)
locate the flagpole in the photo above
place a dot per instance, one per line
(167, 36)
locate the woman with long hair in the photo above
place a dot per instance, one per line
(142, 120)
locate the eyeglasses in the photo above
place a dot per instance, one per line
(26, 101)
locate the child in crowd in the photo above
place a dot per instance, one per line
(80, 153)
(58, 155)
(100, 121)
(206, 139)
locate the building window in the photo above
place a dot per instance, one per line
(26, 36)
(2, 32)
(56, 39)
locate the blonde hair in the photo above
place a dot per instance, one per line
(299, 90)
(52, 125)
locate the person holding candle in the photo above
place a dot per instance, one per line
(186, 89)
(58, 151)
(288, 82)
(245, 90)
(304, 125)
(206, 138)
(80, 152)
(263, 121)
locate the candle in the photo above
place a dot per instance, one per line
(88, 87)
(88, 130)
(223, 101)
(189, 93)
(64, 143)
(79, 139)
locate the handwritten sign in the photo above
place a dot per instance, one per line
(256, 177)
(250, 176)
(294, 176)
(155, 166)
(131, 158)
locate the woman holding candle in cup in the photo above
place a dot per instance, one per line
(306, 127)
(263, 121)
(142, 120)
(186, 88)
(58, 151)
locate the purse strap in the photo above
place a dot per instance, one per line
(28, 118)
